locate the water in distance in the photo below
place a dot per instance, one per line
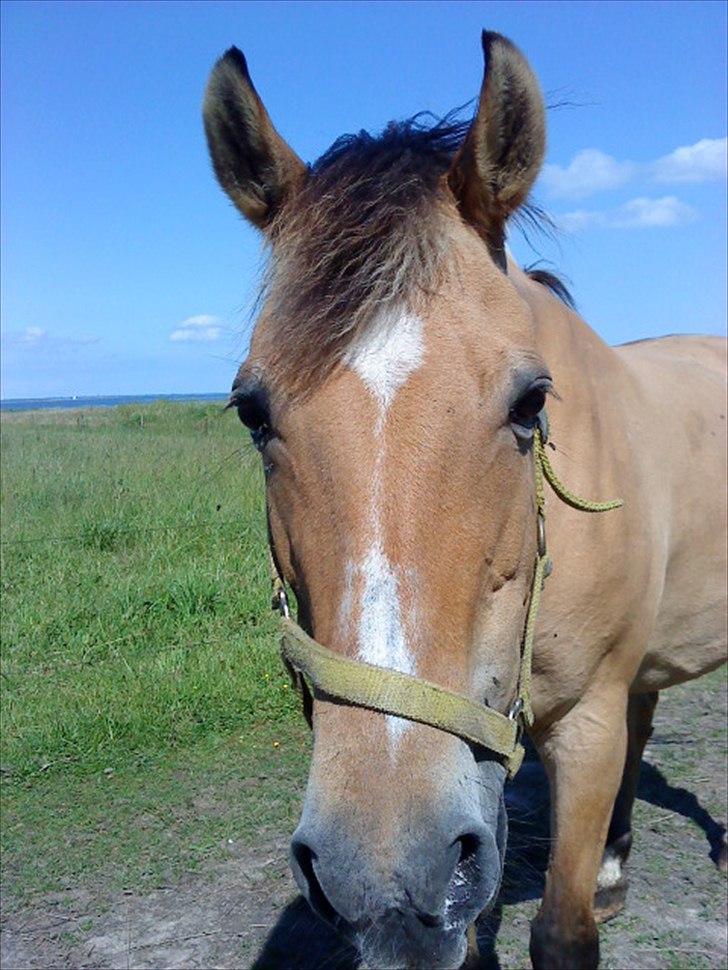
(43, 403)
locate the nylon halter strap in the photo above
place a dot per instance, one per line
(318, 671)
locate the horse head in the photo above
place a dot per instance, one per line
(392, 388)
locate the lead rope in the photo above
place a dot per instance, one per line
(544, 472)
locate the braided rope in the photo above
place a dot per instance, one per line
(544, 472)
(545, 469)
(524, 680)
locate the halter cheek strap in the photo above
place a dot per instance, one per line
(318, 670)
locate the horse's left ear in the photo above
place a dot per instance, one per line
(501, 156)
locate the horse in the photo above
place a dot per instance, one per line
(397, 384)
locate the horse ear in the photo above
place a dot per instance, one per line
(502, 153)
(253, 164)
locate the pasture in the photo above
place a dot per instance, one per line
(153, 756)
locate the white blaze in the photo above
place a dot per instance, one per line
(384, 358)
(381, 633)
(390, 350)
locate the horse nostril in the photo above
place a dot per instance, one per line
(466, 876)
(304, 858)
(469, 846)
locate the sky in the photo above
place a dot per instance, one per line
(125, 270)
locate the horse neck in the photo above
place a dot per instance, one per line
(583, 365)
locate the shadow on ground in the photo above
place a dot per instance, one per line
(300, 941)
(655, 789)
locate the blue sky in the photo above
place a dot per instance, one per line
(126, 270)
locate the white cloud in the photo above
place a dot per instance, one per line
(638, 213)
(579, 219)
(202, 328)
(704, 161)
(588, 172)
(36, 338)
(30, 337)
(591, 170)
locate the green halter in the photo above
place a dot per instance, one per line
(315, 668)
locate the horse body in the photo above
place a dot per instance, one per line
(636, 602)
(646, 588)
(684, 377)
(397, 373)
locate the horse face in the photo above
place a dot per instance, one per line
(399, 482)
(401, 510)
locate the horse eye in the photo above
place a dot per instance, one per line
(527, 408)
(253, 409)
(257, 421)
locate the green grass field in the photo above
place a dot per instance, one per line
(135, 596)
(139, 657)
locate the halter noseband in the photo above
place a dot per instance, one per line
(317, 670)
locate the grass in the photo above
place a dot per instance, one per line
(145, 714)
(135, 613)
(145, 826)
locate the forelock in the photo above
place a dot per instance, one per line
(366, 232)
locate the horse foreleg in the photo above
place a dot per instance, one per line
(611, 882)
(584, 755)
(472, 959)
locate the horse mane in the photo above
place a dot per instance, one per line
(552, 282)
(365, 232)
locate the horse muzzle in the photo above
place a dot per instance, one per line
(409, 902)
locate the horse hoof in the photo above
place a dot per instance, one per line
(609, 902)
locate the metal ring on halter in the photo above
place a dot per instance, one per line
(541, 534)
(282, 603)
(515, 709)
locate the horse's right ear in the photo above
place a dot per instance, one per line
(253, 164)
(501, 156)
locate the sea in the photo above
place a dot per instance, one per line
(44, 403)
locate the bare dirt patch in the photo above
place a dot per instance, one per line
(244, 912)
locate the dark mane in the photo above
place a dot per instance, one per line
(411, 145)
(366, 231)
(552, 282)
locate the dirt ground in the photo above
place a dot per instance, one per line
(244, 912)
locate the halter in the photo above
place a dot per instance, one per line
(318, 671)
